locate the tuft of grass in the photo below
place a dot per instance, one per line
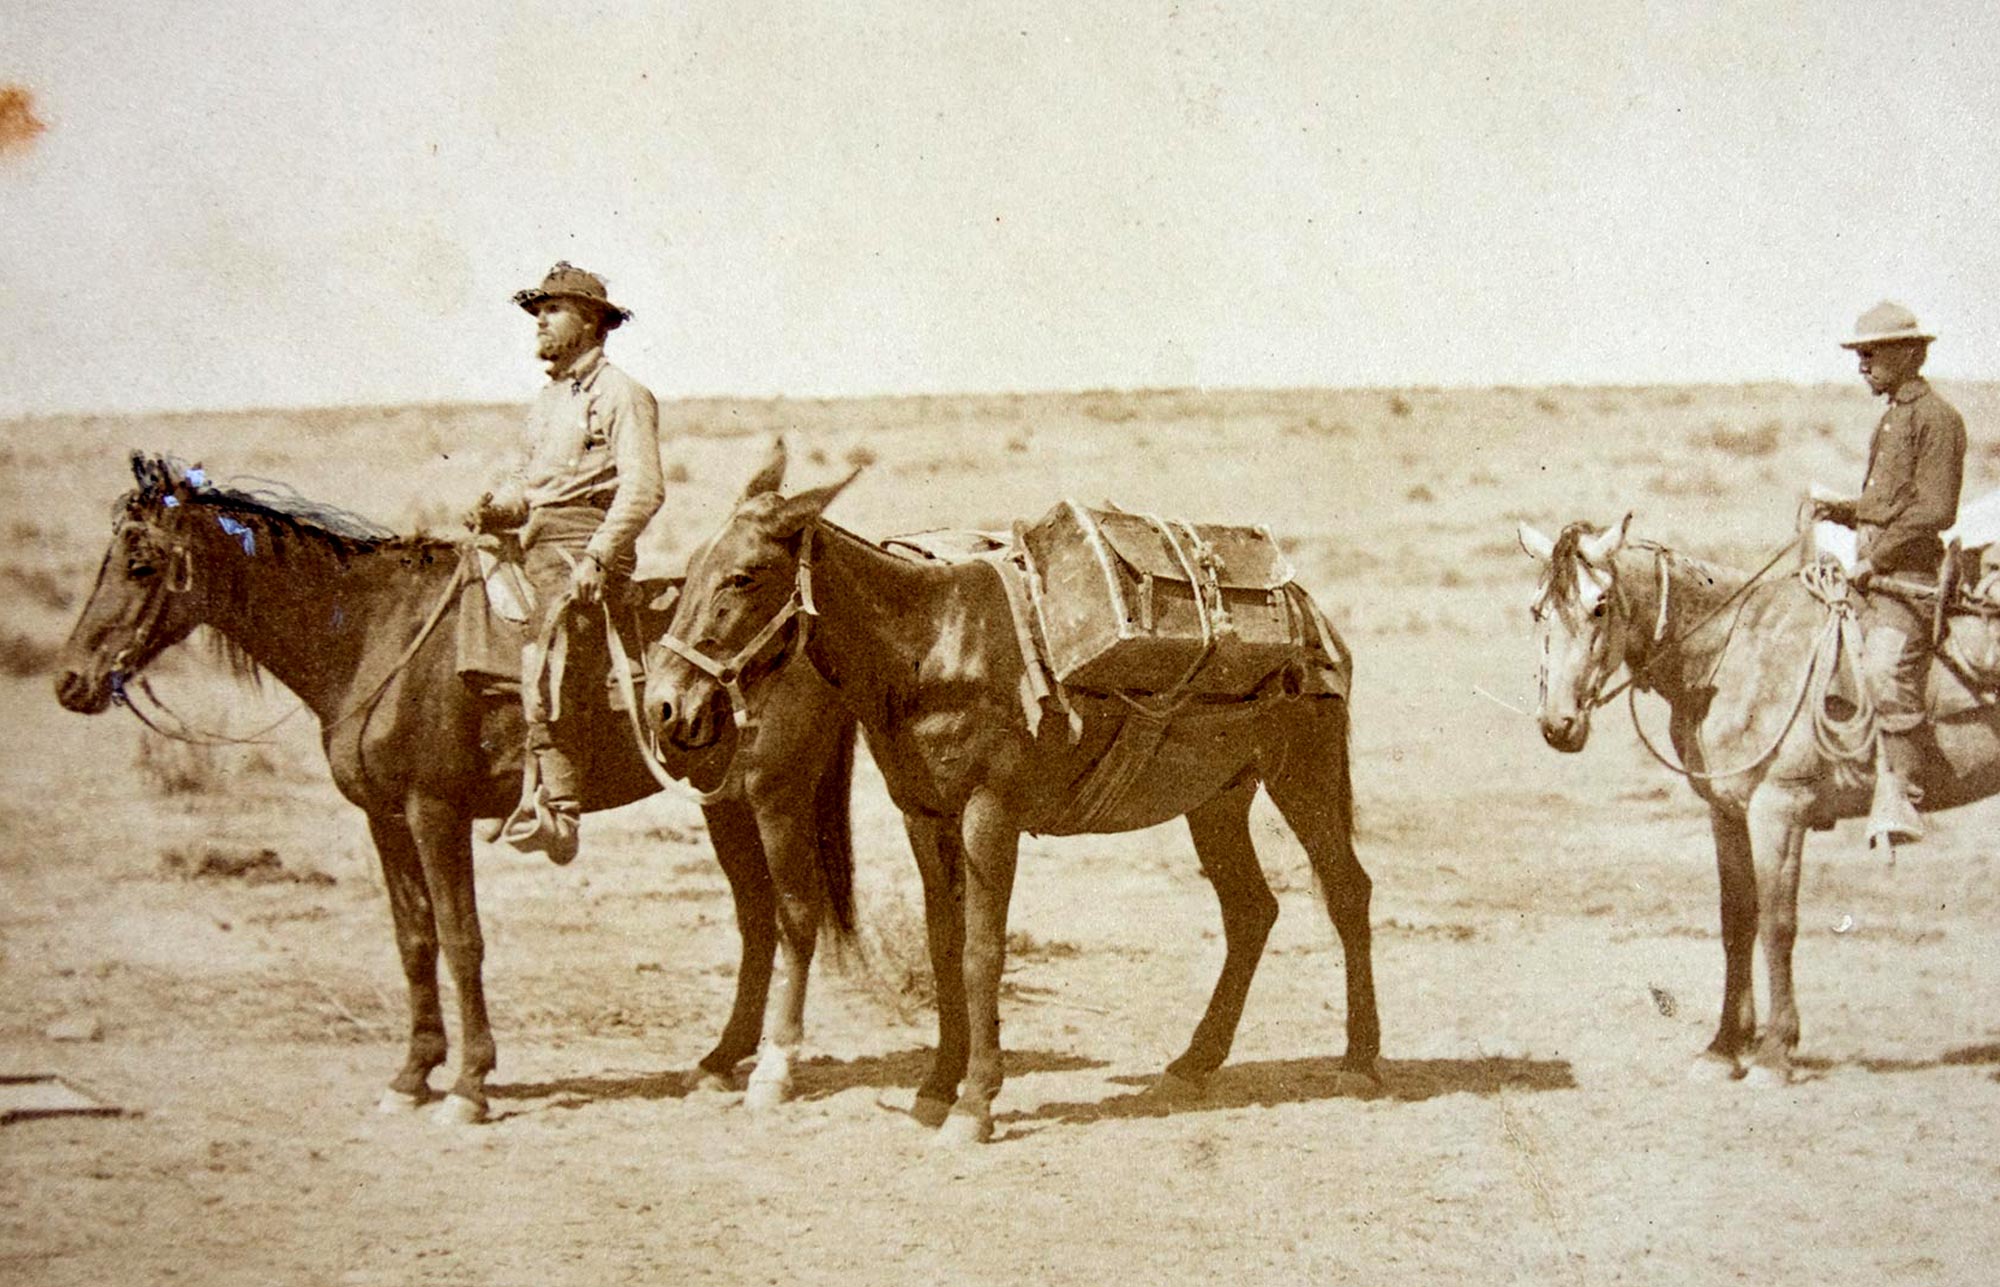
(893, 960)
(1399, 406)
(860, 456)
(39, 586)
(1744, 444)
(171, 768)
(677, 472)
(22, 657)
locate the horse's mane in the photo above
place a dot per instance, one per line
(277, 510)
(279, 505)
(1567, 554)
(1565, 558)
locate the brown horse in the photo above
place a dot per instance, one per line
(1740, 664)
(360, 628)
(927, 658)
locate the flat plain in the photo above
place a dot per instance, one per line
(1546, 925)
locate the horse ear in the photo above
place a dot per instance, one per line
(1532, 540)
(797, 511)
(1598, 550)
(770, 474)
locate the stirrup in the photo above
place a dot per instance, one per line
(540, 824)
(1892, 819)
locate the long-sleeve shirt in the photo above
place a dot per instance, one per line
(592, 439)
(1916, 464)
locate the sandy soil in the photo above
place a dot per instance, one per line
(1547, 950)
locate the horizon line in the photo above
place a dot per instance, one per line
(963, 395)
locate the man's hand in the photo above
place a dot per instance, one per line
(1834, 511)
(1863, 573)
(586, 584)
(489, 515)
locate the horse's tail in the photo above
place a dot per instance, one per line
(834, 829)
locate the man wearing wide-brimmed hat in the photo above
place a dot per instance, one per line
(588, 483)
(1916, 462)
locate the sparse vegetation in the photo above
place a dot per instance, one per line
(173, 768)
(1753, 443)
(21, 656)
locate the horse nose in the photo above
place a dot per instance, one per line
(76, 693)
(1563, 732)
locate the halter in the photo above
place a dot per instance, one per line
(1661, 645)
(728, 675)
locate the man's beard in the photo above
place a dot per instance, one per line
(554, 352)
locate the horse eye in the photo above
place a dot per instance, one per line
(738, 581)
(1597, 613)
(139, 571)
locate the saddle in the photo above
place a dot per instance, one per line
(492, 628)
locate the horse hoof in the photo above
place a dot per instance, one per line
(763, 1096)
(457, 1110)
(1765, 1077)
(930, 1112)
(961, 1130)
(396, 1102)
(706, 1081)
(1714, 1070)
(1179, 1088)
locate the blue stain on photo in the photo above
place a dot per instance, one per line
(238, 530)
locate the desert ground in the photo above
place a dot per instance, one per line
(1546, 926)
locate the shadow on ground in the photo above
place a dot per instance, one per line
(815, 1078)
(1269, 1083)
(1960, 1057)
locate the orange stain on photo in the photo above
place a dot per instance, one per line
(19, 126)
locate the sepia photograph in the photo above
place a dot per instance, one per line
(999, 643)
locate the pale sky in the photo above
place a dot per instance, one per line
(251, 203)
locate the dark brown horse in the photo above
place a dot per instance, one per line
(360, 628)
(927, 657)
(1741, 666)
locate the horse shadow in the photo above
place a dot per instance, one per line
(1269, 1083)
(819, 1077)
(1959, 1057)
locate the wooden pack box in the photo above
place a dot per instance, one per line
(1120, 611)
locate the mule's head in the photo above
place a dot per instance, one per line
(148, 594)
(1581, 625)
(739, 610)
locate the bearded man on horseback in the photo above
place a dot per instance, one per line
(1916, 463)
(588, 482)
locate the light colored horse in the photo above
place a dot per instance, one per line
(1742, 667)
(927, 657)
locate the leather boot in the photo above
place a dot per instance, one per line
(1893, 820)
(549, 816)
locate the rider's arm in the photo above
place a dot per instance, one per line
(635, 448)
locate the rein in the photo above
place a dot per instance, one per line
(1660, 554)
(1850, 739)
(122, 685)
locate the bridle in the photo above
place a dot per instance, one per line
(730, 675)
(1604, 659)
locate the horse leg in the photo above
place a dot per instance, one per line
(1221, 831)
(444, 843)
(1777, 841)
(940, 858)
(416, 942)
(992, 845)
(1314, 790)
(1737, 878)
(732, 830)
(788, 829)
